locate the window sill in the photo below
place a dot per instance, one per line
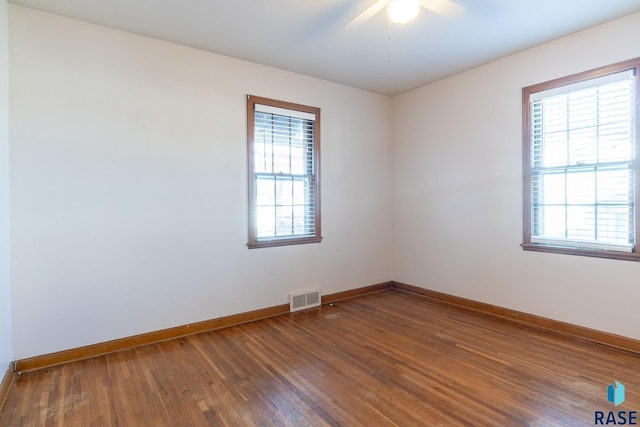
(597, 253)
(283, 242)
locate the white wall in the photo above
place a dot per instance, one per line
(5, 305)
(128, 186)
(458, 191)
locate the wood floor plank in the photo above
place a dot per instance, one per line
(384, 359)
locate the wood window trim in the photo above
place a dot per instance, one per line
(253, 242)
(527, 244)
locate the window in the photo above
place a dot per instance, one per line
(580, 163)
(284, 173)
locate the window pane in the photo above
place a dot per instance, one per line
(297, 159)
(297, 131)
(614, 186)
(300, 196)
(615, 142)
(553, 189)
(582, 108)
(580, 223)
(265, 221)
(583, 146)
(262, 147)
(281, 155)
(265, 191)
(284, 220)
(300, 219)
(581, 187)
(552, 222)
(613, 224)
(259, 157)
(554, 151)
(284, 191)
(555, 114)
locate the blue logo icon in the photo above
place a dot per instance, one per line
(615, 393)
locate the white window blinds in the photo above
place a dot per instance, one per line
(284, 174)
(583, 139)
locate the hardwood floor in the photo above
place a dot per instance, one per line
(387, 358)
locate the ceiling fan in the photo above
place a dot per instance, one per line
(402, 11)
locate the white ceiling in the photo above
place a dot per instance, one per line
(306, 36)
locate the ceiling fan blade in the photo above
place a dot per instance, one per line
(446, 8)
(366, 14)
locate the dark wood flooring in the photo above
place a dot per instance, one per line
(387, 358)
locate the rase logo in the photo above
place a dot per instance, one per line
(615, 395)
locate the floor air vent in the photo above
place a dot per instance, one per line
(304, 299)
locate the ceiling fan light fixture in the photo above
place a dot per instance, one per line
(402, 11)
